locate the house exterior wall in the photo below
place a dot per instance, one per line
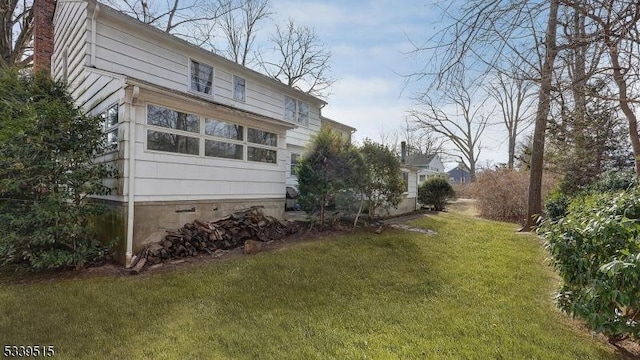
(459, 176)
(136, 50)
(111, 60)
(409, 203)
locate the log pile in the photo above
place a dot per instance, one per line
(207, 237)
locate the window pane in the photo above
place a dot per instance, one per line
(303, 112)
(262, 155)
(223, 129)
(162, 141)
(294, 163)
(262, 137)
(222, 149)
(238, 88)
(112, 140)
(405, 179)
(110, 117)
(201, 77)
(289, 109)
(159, 116)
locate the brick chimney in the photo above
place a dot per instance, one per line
(43, 34)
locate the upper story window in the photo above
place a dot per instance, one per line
(239, 88)
(201, 77)
(110, 127)
(296, 110)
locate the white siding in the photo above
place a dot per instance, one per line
(301, 135)
(128, 48)
(70, 41)
(162, 176)
(122, 51)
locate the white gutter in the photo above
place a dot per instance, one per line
(94, 22)
(130, 98)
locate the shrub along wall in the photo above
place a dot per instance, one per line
(595, 247)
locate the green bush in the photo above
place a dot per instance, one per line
(47, 148)
(556, 204)
(613, 181)
(596, 249)
(436, 192)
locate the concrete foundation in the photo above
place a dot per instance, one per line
(154, 217)
(406, 206)
(151, 217)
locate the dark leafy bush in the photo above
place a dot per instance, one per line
(596, 249)
(436, 192)
(613, 181)
(556, 204)
(47, 173)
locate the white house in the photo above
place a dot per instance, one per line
(192, 134)
(427, 166)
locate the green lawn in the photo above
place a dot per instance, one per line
(475, 291)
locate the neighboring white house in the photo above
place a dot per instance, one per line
(192, 134)
(427, 165)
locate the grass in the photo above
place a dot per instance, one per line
(476, 290)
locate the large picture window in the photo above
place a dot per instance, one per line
(201, 77)
(223, 129)
(183, 133)
(163, 117)
(266, 153)
(262, 137)
(162, 141)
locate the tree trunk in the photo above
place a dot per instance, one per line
(512, 152)
(534, 207)
(624, 101)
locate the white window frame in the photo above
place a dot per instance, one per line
(294, 163)
(202, 137)
(262, 146)
(110, 129)
(296, 115)
(189, 78)
(206, 137)
(244, 88)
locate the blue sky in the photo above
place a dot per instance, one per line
(371, 43)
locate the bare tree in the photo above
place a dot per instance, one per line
(513, 92)
(456, 115)
(534, 203)
(193, 20)
(418, 140)
(239, 26)
(301, 60)
(16, 22)
(618, 29)
(485, 34)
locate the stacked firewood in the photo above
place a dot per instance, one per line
(207, 237)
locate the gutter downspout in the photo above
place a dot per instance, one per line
(130, 98)
(94, 17)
